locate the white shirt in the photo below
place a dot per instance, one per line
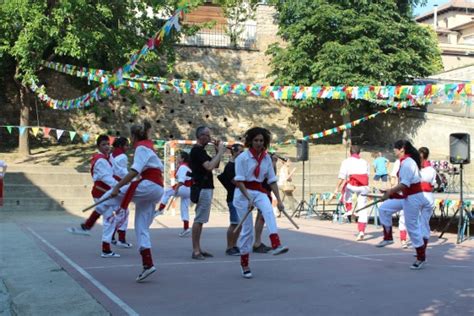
(145, 158)
(428, 174)
(3, 164)
(396, 167)
(352, 166)
(409, 172)
(245, 165)
(182, 174)
(120, 165)
(103, 171)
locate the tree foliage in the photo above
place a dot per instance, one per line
(349, 42)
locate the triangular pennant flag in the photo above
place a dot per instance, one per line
(35, 130)
(9, 129)
(85, 137)
(46, 131)
(111, 140)
(59, 132)
(72, 134)
(22, 129)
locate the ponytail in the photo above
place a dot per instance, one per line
(409, 150)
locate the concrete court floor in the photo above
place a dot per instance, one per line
(326, 272)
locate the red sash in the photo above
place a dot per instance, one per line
(187, 183)
(151, 174)
(359, 180)
(426, 187)
(414, 188)
(254, 185)
(96, 192)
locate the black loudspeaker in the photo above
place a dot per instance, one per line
(302, 150)
(459, 148)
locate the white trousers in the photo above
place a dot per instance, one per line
(361, 200)
(147, 195)
(262, 203)
(121, 220)
(108, 220)
(418, 209)
(184, 194)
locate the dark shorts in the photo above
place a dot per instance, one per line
(383, 177)
(233, 216)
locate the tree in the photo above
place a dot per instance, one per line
(99, 34)
(237, 12)
(351, 42)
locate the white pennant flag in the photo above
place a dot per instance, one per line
(59, 132)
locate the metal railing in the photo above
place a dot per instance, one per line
(219, 36)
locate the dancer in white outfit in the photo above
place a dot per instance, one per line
(354, 179)
(252, 167)
(393, 205)
(416, 205)
(181, 190)
(103, 176)
(145, 192)
(119, 161)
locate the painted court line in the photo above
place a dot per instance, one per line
(89, 277)
(253, 260)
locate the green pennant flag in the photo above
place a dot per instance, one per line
(72, 134)
(9, 129)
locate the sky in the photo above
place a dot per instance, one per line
(429, 6)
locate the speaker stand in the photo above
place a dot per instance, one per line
(301, 205)
(464, 220)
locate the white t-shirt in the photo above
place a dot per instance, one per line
(145, 158)
(3, 164)
(396, 167)
(182, 174)
(120, 165)
(352, 166)
(428, 174)
(103, 171)
(409, 172)
(245, 166)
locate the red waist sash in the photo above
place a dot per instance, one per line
(96, 189)
(413, 189)
(254, 185)
(152, 174)
(426, 187)
(359, 180)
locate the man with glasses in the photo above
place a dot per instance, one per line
(201, 165)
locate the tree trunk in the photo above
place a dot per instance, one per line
(346, 118)
(23, 144)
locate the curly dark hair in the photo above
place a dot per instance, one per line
(409, 150)
(254, 132)
(119, 142)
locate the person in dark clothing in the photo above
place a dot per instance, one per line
(201, 165)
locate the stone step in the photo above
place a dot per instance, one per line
(45, 204)
(52, 191)
(48, 179)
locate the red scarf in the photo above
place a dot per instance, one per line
(117, 151)
(96, 157)
(259, 160)
(426, 163)
(357, 156)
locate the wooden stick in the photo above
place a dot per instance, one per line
(171, 203)
(236, 229)
(290, 219)
(368, 205)
(98, 203)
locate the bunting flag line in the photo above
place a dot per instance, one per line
(414, 93)
(116, 79)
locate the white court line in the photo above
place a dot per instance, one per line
(253, 260)
(89, 277)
